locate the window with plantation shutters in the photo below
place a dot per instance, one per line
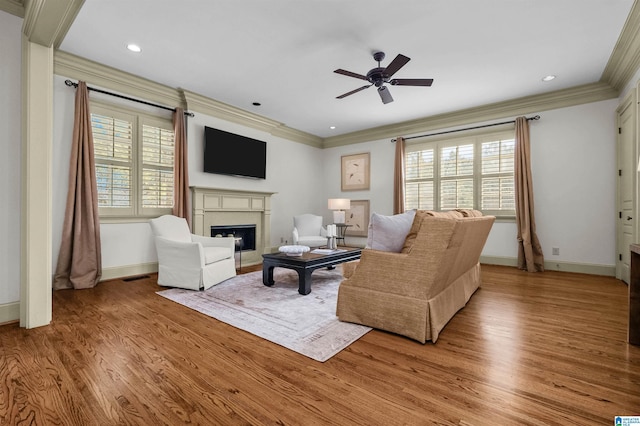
(157, 167)
(470, 172)
(134, 162)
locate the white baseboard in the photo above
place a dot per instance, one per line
(128, 271)
(557, 265)
(9, 312)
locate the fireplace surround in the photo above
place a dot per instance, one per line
(224, 207)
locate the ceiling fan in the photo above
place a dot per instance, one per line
(379, 76)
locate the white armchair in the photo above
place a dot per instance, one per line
(308, 231)
(191, 261)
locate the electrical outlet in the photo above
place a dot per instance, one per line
(555, 251)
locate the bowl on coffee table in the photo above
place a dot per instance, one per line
(294, 251)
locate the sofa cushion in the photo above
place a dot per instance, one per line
(470, 212)
(417, 222)
(215, 254)
(388, 233)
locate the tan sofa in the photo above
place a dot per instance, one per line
(416, 292)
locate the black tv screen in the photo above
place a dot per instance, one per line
(230, 154)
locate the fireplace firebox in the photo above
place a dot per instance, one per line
(246, 232)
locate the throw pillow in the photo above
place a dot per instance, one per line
(388, 233)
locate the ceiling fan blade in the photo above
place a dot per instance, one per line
(351, 74)
(412, 81)
(385, 95)
(353, 91)
(399, 62)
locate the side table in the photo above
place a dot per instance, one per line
(341, 229)
(239, 249)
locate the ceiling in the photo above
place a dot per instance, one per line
(282, 53)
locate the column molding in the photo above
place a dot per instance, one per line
(37, 139)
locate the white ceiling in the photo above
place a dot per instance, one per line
(282, 53)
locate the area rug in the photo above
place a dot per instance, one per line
(305, 324)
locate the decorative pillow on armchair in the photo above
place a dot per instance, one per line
(387, 233)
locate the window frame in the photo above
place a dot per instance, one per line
(477, 138)
(138, 119)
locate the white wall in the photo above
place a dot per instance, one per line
(293, 172)
(380, 194)
(573, 154)
(10, 140)
(574, 171)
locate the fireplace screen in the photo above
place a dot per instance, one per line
(246, 232)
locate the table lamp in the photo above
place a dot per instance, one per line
(339, 205)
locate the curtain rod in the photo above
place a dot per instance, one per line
(75, 85)
(535, 117)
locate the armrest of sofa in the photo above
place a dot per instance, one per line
(182, 255)
(388, 272)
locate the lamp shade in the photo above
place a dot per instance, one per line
(339, 204)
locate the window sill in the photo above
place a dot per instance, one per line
(125, 219)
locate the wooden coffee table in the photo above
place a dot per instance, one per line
(305, 264)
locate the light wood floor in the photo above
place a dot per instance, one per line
(529, 349)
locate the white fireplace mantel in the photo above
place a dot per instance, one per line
(217, 206)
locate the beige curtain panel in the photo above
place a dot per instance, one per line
(80, 258)
(530, 255)
(181, 168)
(398, 177)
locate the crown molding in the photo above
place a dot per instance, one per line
(526, 105)
(46, 22)
(14, 7)
(625, 58)
(93, 73)
(205, 105)
(298, 136)
(76, 67)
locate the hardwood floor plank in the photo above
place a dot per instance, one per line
(528, 349)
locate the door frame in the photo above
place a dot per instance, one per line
(629, 101)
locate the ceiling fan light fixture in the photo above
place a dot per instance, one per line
(385, 94)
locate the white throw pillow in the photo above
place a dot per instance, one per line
(387, 233)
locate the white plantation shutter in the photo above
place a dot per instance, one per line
(113, 151)
(419, 179)
(456, 177)
(157, 167)
(470, 172)
(498, 192)
(134, 155)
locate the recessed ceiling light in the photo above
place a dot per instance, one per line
(134, 48)
(548, 78)
(332, 127)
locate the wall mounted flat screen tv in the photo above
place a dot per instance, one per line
(230, 154)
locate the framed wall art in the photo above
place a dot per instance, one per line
(358, 218)
(355, 172)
